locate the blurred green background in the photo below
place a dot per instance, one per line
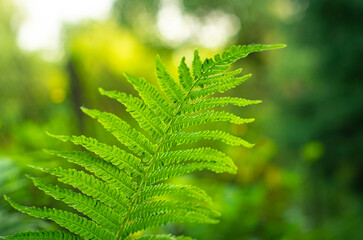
(302, 180)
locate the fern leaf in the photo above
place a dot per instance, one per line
(74, 223)
(238, 52)
(106, 171)
(220, 63)
(210, 116)
(165, 189)
(167, 172)
(216, 102)
(43, 235)
(163, 237)
(146, 118)
(204, 154)
(186, 79)
(210, 67)
(131, 138)
(166, 217)
(219, 78)
(152, 97)
(92, 187)
(114, 155)
(197, 65)
(98, 212)
(190, 137)
(169, 86)
(161, 206)
(218, 87)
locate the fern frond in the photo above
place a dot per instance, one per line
(102, 169)
(121, 193)
(146, 118)
(114, 155)
(97, 211)
(92, 187)
(218, 78)
(183, 122)
(216, 102)
(169, 86)
(73, 222)
(204, 154)
(190, 137)
(218, 87)
(197, 65)
(43, 235)
(166, 217)
(166, 189)
(235, 53)
(161, 206)
(167, 172)
(128, 136)
(185, 78)
(163, 237)
(152, 97)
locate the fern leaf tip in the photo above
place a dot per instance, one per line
(6, 197)
(35, 167)
(249, 145)
(126, 74)
(275, 46)
(48, 151)
(89, 112)
(29, 176)
(101, 90)
(59, 137)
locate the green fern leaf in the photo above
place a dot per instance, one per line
(118, 192)
(216, 102)
(165, 189)
(146, 118)
(183, 122)
(43, 235)
(167, 172)
(197, 65)
(92, 187)
(195, 154)
(185, 78)
(218, 78)
(76, 224)
(98, 212)
(161, 206)
(113, 155)
(170, 87)
(130, 137)
(152, 97)
(102, 169)
(162, 237)
(166, 217)
(190, 137)
(218, 87)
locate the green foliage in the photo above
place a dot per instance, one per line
(126, 192)
(13, 182)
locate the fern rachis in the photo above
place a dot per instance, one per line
(126, 192)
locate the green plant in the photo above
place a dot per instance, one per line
(127, 192)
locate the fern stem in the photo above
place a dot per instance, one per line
(160, 144)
